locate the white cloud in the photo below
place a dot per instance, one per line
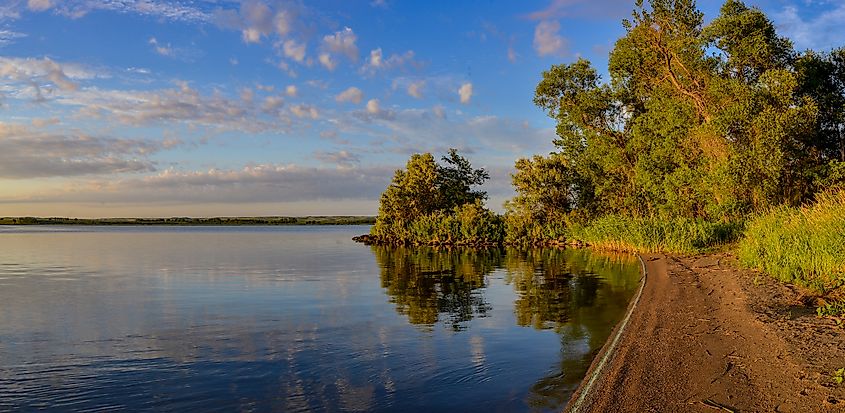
(251, 35)
(272, 103)
(375, 58)
(41, 123)
(32, 71)
(373, 106)
(169, 10)
(257, 19)
(305, 111)
(327, 61)
(247, 95)
(465, 92)
(181, 104)
(547, 40)
(343, 159)
(291, 90)
(415, 89)
(377, 62)
(27, 153)
(373, 111)
(350, 95)
(294, 50)
(282, 23)
(418, 130)
(342, 42)
(9, 37)
(250, 184)
(39, 5)
(821, 32)
(164, 50)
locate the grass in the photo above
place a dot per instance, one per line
(803, 246)
(650, 235)
(833, 309)
(838, 376)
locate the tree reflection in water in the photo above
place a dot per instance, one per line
(427, 284)
(578, 294)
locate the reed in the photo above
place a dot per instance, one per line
(804, 246)
(651, 235)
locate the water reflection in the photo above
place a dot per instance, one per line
(295, 320)
(428, 284)
(578, 294)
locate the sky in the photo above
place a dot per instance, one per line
(150, 108)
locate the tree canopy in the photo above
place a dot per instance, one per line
(433, 200)
(699, 121)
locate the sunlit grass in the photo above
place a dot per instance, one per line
(805, 246)
(650, 235)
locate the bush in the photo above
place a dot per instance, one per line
(805, 246)
(468, 224)
(521, 229)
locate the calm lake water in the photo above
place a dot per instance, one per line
(294, 319)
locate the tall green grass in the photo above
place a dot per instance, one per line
(805, 246)
(649, 235)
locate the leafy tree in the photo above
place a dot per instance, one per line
(696, 121)
(455, 180)
(431, 203)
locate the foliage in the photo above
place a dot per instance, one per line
(832, 309)
(455, 180)
(699, 128)
(803, 245)
(468, 224)
(678, 235)
(839, 376)
(429, 203)
(699, 122)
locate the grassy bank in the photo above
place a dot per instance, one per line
(805, 246)
(648, 235)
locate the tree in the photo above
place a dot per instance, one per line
(432, 196)
(455, 180)
(696, 121)
(412, 193)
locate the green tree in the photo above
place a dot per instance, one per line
(430, 203)
(696, 121)
(456, 179)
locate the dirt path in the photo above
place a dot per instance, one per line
(706, 337)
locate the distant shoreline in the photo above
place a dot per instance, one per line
(186, 221)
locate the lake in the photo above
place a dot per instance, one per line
(294, 319)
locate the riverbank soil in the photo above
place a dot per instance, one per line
(707, 337)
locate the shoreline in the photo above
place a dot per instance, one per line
(706, 335)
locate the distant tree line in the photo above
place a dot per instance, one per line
(188, 221)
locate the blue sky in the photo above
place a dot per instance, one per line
(260, 107)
